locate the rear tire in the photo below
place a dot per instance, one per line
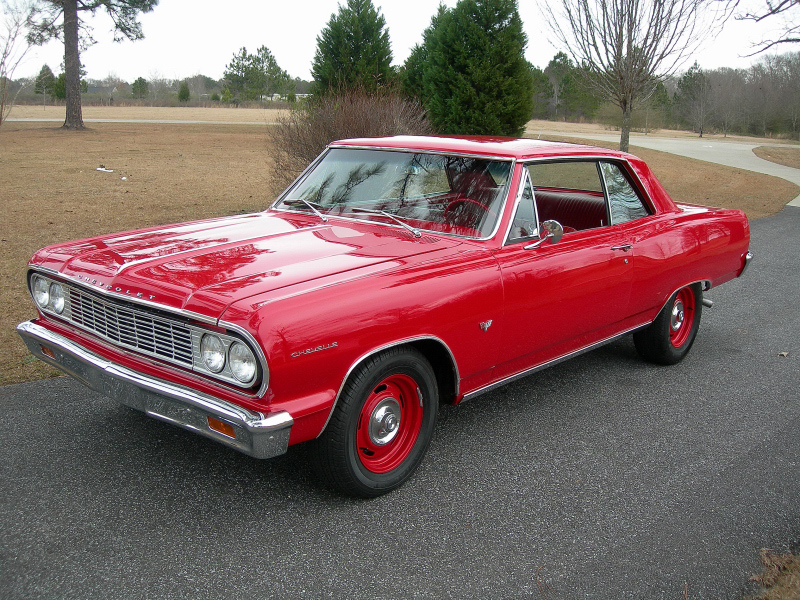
(667, 340)
(382, 425)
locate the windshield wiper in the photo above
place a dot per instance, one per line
(394, 218)
(312, 205)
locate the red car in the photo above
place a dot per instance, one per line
(393, 275)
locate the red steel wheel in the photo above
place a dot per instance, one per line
(681, 317)
(389, 424)
(667, 340)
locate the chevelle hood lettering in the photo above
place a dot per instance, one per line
(205, 267)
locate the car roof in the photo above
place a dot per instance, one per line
(501, 147)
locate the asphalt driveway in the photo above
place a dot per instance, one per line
(604, 477)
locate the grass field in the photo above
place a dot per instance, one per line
(166, 173)
(788, 156)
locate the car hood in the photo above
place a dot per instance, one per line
(204, 267)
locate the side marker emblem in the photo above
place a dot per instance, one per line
(485, 325)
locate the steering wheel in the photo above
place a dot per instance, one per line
(466, 212)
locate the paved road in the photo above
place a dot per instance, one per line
(603, 477)
(731, 153)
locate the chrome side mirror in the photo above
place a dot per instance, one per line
(551, 230)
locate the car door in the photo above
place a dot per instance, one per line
(564, 296)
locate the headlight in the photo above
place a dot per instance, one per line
(213, 353)
(57, 297)
(41, 291)
(242, 362)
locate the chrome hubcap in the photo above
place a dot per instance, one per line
(384, 423)
(677, 316)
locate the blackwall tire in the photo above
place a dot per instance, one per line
(382, 425)
(670, 337)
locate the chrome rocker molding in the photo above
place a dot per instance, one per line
(550, 363)
(256, 434)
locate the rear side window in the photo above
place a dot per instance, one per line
(624, 203)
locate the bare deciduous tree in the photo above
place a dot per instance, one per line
(627, 45)
(786, 11)
(13, 48)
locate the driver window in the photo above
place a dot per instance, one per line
(524, 225)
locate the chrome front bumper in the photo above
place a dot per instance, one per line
(256, 434)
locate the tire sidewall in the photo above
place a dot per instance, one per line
(404, 362)
(654, 342)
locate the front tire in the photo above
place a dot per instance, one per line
(667, 340)
(382, 425)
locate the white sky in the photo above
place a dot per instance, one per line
(189, 37)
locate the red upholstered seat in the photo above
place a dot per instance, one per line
(573, 209)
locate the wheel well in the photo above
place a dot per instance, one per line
(443, 366)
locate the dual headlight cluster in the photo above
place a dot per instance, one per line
(48, 295)
(221, 354)
(224, 357)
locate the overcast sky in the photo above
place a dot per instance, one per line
(189, 37)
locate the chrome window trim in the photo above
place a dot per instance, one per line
(500, 212)
(374, 351)
(607, 195)
(524, 178)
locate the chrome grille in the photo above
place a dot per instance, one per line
(135, 329)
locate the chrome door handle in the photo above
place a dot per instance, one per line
(624, 247)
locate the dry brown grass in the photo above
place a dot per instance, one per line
(180, 172)
(780, 577)
(54, 193)
(258, 116)
(788, 156)
(700, 182)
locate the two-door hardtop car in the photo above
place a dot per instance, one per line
(392, 275)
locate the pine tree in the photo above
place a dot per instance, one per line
(140, 88)
(353, 50)
(183, 92)
(475, 79)
(62, 19)
(44, 81)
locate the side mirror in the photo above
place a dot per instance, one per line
(551, 230)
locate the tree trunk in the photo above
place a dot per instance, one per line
(625, 134)
(72, 66)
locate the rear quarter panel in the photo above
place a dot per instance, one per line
(692, 244)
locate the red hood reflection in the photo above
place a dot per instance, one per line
(205, 266)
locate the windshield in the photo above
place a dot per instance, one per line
(459, 195)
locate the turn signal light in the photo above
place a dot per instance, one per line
(221, 427)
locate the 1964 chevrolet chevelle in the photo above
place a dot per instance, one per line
(394, 274)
